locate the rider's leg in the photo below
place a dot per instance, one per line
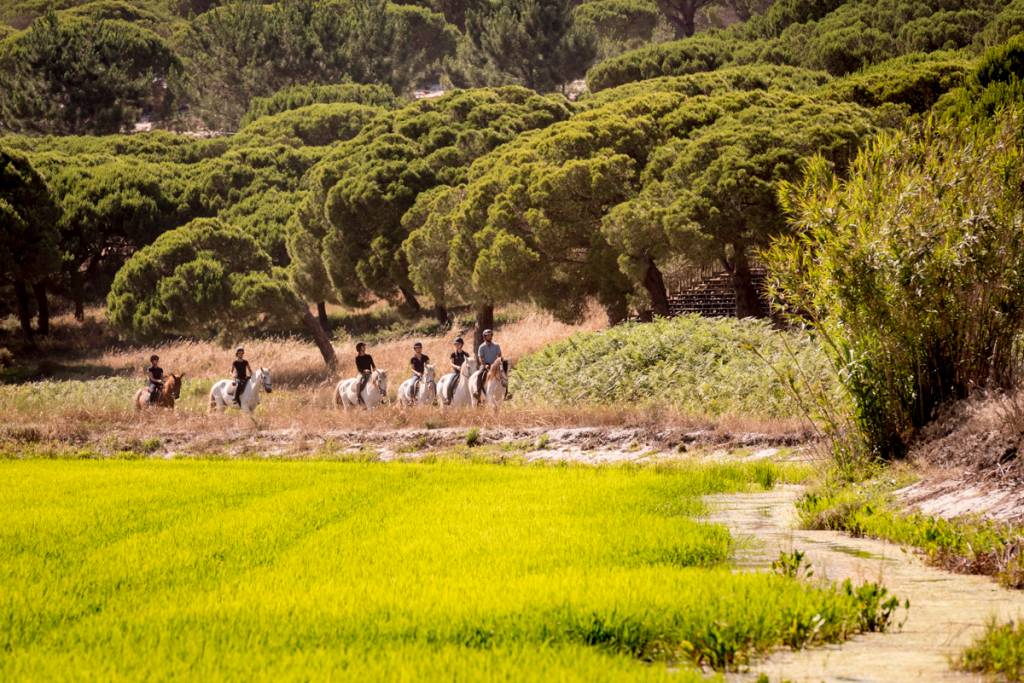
(239, 390)
(451, 387)
(362, 385)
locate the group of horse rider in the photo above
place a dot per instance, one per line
(487, 354)
(241, 373)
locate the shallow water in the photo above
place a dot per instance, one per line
(947, 611)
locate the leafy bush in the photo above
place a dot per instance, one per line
(699, 365)
(911, 271)
(298, 96)
(999, 651)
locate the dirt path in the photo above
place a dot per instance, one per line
(946, 610)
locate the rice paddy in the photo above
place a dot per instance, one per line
(227, 570)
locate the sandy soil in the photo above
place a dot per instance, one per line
(947, 611)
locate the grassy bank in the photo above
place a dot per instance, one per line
(999, 652)
(699, 365)
(966, 545)
(241, 569)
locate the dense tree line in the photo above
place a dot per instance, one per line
(350, 192)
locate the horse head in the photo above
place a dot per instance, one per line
(175, 387)
(380, 380)
(497, 370)
(428, 373)
(469, 366)
(265, 378)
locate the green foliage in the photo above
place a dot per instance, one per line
(299, 96)
(533, 43)
(999, 652)
(699, 365)
(964, 544)
(83, 75)
(311, 42)
(312, 125)
(837, 37)
(916, 80)
(204, 279)
(617, 24)
(29, 241)
(482, 584)
(361, 191)
(911, 271)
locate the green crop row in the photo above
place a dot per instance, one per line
(239, 569)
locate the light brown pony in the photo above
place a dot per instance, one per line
(170, 392)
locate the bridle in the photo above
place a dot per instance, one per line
(265, 377)
(376, 382)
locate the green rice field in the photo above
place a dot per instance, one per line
(241, 570)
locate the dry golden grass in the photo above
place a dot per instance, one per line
(296, 362)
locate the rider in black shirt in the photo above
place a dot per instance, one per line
(418, 362)
(364, 366)
(241, 371)
(458, 358)
(155, 374)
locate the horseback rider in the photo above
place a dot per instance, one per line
(241, 372)
(458, 358)
(488, 354)
(155, 375)
(364, 366)
(418, 362)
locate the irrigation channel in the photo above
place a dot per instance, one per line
(947, 611)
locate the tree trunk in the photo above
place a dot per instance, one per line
(484, 321)
(441, 314)
(747, 303)
(76, 294)
(320, 337)
(654, 283)
(24, 311)
(410, 297)
(321, 314)
(43, 307)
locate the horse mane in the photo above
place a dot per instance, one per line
(495, 371)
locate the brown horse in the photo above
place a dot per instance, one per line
(170, 392)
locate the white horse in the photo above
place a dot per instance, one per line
(425, 389)
(222, 395)
(461, 397)
(495, 385)
(374, 393)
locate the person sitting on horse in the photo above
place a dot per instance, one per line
(155, 375)
(418, 363)
(458, 358)
(241, 372)
(488, 354)
(364, 366)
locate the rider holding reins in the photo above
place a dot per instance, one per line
(364, 366)
(488, 354)
(241, 372)
(458, 358)
(155, 375)
(418, 363)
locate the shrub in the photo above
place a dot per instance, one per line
(699, 365)
(999, 651)
(911, 271)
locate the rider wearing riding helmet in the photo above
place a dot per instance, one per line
(241, 372)
(458, 358)
(364, 366)
(155, 375)
(488, 354)
(418, 363)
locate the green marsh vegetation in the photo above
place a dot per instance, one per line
(229, 569)
(999, 652)
(699, 365)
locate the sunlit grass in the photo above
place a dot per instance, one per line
(241, 569)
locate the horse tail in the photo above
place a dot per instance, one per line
(337, 397)
(213, 398)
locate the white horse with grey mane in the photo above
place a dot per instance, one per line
(461, 397)
(495, 384)
(222, 395)
(374, 393)
(421, 393)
